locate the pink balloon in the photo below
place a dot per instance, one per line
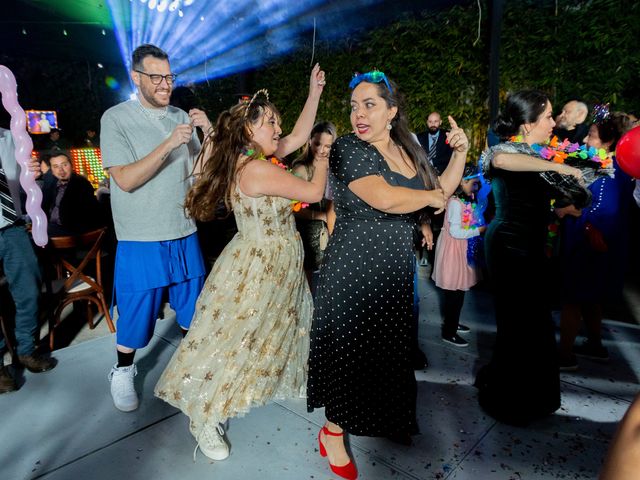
(24, 146)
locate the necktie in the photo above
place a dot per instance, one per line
(432, 150)
(6, 202)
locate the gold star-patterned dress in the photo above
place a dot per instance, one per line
(249, 339)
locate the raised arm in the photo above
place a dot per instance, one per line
(302, 129)
(457, 140)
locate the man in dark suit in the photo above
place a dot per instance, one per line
(439, 153)
(68, 199)
(433, 142)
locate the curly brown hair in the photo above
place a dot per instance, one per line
(231, 141)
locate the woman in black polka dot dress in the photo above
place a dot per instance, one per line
(360, 366)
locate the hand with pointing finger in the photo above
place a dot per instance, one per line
(456, 138)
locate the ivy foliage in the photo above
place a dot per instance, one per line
(584, 49)
(578, 49)
(569, 48)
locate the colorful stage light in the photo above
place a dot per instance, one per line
(112, 82)
(210, 39)
(88, 162)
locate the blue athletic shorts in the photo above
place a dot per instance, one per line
(143, 272)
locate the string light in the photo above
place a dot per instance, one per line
(88, 162)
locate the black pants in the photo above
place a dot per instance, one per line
(453, 301)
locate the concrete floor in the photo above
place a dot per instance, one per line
(62, 424)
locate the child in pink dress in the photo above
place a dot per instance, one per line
(458, 245)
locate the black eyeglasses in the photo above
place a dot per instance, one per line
(156, 78)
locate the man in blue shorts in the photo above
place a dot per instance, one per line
(149, 148)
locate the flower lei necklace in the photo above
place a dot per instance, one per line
(574, 155)
(561, 152)
(470, 217)
(296, 205)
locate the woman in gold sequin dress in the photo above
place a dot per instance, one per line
(248, 343)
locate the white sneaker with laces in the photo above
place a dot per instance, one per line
(123, 391)
(212, 443)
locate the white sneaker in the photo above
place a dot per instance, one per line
(211, 442)
(122, 390)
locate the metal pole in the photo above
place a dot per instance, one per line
(497, 8)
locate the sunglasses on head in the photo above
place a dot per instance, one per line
(375, 76)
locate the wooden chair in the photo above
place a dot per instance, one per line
(73, 284)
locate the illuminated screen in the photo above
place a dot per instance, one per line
(41, 121)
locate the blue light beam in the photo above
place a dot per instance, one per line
(208, 39)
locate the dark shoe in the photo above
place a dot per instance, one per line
(419, 359)
(567, 364)
(36, 363)
(456, 340)
(592, 351)
(463, 328)
(7, 383)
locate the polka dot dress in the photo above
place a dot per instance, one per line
(361, 339)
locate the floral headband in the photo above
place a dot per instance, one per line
(262, 91)
(601, 113)
(375, 76)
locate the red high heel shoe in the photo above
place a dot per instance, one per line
(347, 471)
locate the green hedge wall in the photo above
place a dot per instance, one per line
(569, 48)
